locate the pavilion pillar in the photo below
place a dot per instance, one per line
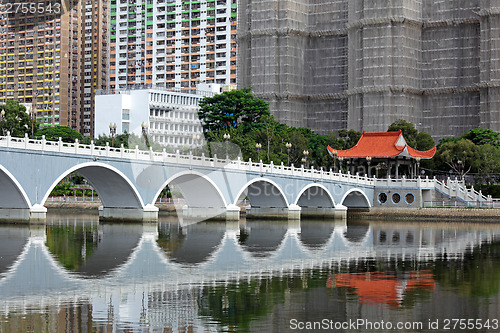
(397, 167)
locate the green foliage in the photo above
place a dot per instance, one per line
(347, 139)
(482, 136)
(16, 120)
(424, 141)
(230, 109)
(459, 155)
(67, 134)
(487, 162)
(409, 131)
(72, 245)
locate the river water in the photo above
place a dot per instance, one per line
(75, 274)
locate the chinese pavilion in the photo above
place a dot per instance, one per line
(382, 150)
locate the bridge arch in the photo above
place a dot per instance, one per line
(196, 188)
(12, 194)
(113, 187)
(263, 192)
(355, 198)
(315, 195)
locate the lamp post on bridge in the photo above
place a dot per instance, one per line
(306, 155)
(369, 162)
(196, 138)
(145, 133)
(418, 166)
(288, 146)
(258, 146)
(341, 159)
(227, 137)
(112, 131)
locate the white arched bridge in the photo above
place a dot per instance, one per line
(129, 181)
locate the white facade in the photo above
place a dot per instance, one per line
(171, 117)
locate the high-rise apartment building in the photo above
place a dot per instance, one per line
(95, 57)
(363, 64)
(43, 62)
(172, 44)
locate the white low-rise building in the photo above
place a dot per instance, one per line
(170, 118)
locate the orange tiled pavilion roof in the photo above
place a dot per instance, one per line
(382, 145)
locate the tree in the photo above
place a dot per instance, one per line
(488, 162)
(424, 141)
(66, 133)
(230, 109)
(347, 139)
(16, 120)
(458, 155)
(482, 136)
(409, 131)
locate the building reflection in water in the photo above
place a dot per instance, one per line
(78, 273)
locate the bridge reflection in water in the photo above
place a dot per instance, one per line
(119, 268)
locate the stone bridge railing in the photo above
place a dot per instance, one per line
(451, 188)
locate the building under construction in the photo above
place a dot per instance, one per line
(333, 64)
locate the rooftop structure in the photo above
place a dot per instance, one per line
(382, 150)
(382, 145)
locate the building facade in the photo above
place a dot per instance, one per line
(45, 53)
(356, 64)
(170, 118)
(172, 44)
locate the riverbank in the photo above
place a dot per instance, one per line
(430, 214)
(427, 214)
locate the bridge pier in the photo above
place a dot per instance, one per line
(337, 212)
(148, 213)
(292, 212)
(229, 213)
(37, 213)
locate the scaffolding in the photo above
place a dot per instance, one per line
(332, 64)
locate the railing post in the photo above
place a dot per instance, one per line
(203, 159)
(272, 166)
(239, 162)
(8, 138)
(151, 154)
(107, 149)
(43, 142)
(59, 144)
(249, 164)
(122, 150)
(136, 151)
(190, 157)
(76, 146)
(177, 155)
(26, 139)
(92, 147)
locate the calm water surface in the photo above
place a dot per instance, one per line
(78, 275)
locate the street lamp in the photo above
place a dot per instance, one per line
(112, 131)
(341, 159)
(460, 169)
(369, 161)
(418, 165)
(303, 160)
(258, 146)
(145, 133)
(306, 155)
(196, 137)
(288, 146)
(226, 139)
